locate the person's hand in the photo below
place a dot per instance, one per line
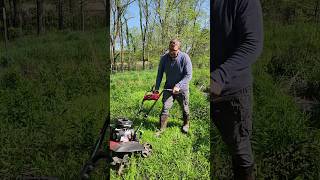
(155, 92)
(175, 90)
(215, 88)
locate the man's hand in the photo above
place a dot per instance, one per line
(155, 91)
(175, 90)
(215, 88)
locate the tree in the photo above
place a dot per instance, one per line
(118, 8)
(82, 14)
(39, 16)
(107, 9)
(3, 14)
(121, 44)
(144, 12)
(158, 22)
(71, 15)
(17, 19)
(165, 12)
(128, 40)
(316, 11)
(60, 14)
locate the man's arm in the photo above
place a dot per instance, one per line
(188, 73)
(250, 27)
(160, 73)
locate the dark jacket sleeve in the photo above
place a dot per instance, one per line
(160, 73)
(187, 71)
(250, 28)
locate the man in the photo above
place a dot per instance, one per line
(236, 39)
(178, 69)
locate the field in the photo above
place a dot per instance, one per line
(54, 98)
(175, 155)
(284, 146)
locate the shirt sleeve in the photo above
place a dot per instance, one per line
(187, 73)
(160, 73)
(250, 28)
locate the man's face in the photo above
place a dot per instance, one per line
(174, 48)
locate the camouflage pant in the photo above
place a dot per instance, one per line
(233, 118)
(169, 98)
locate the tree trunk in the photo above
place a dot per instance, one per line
(113, 35)
(107, 11)
(121, 46)
(107, 6)
(112, 49)
(39, 16)
(316, 11)
(17, 19)
(71, 16)
(10, 15)
(142, 34)
(82, 14)
(162, 22)
(1, 6)
(15, 16)
(17, 22)
(60, 14)
(5, 27)
(128, 43)
(194, 38)
(146, 30)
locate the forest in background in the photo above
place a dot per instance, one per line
(156, 23)
(24, 17)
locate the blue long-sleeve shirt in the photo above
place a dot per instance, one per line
(236, 40)
(178, 71)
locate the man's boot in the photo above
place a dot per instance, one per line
(163, 122)
(249, 173)
(249, 177)
(243, 173)
(186, 124)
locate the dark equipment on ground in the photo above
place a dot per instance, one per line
(123, 140)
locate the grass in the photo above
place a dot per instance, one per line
(290, 56)
(175, 155)
(53, 100)
(54, 97)
(284, 146)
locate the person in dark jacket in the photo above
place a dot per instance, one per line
(178, 69)
(236, 43)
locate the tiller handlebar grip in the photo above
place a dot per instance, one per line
(153, 96)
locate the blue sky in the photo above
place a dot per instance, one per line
(133, 11)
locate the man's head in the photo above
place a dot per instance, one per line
(174, 47)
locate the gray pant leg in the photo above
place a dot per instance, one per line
(183, 100)
(167, 101)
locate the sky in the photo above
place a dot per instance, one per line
(133, 11)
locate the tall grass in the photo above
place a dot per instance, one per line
(291, 56)
(175, 155)
(53, 99)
